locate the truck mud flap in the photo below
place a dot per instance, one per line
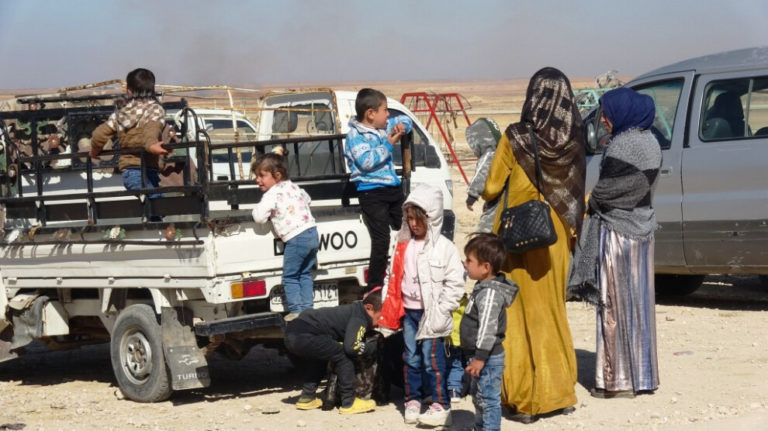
(186, 362)
(240, 323)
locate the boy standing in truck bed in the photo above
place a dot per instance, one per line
(368, 151)
(138, 123)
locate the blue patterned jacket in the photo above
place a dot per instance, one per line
(369, 154)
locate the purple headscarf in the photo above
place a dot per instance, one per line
(625, 108)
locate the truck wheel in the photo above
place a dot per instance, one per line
(677, 284)
(136, 350)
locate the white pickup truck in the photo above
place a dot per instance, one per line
(81, 260)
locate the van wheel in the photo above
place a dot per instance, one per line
(136, 350)
(677, 284)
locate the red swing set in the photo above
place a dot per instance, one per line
(432, 104)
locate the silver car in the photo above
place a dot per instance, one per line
(712, 196)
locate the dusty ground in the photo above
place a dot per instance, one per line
(713, 359)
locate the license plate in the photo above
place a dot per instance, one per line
(325, 295)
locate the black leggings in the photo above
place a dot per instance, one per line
(315, 351)
(382, 210)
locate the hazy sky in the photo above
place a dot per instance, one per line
(60, 43)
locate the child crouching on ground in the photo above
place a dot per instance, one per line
(287, 206)
(334, 334)
(483, 326)
(424, 286)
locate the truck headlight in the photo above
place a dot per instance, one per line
(449, 185)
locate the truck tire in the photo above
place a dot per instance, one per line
(677, 284)
(136, 350)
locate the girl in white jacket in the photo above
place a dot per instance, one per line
(425, 284)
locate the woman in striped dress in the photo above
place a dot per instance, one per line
(617, 239)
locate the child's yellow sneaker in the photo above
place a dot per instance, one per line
(359, 406)
(309, 403)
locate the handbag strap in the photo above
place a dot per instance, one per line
(532, 137)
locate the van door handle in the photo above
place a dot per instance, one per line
(665, 171)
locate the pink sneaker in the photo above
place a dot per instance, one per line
(412, 411)
(436, 416)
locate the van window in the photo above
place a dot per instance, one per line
(665, 95)
(734, 109)
(421, 153)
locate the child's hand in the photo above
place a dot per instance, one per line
(474, 367)
(157, 148)
(94, 155)
(394, 136)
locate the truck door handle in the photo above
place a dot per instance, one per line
(665, 171)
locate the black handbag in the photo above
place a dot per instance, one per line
(527, 226)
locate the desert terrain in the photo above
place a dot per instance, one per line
(712, 351)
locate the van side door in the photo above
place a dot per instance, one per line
(725, 180)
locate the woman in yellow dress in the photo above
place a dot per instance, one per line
(540, 370)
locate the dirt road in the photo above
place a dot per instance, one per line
(713, 359)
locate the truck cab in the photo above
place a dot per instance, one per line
(711, 199)
(318, 112)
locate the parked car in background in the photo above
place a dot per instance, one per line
(712, 195)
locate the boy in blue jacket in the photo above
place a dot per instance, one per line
(370, 140)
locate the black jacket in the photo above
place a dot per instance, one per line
(345, 323)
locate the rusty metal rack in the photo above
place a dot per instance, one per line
(85, 208)
(432, 104)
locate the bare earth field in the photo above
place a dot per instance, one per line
(713, 359)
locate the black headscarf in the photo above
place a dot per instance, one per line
(549, 109)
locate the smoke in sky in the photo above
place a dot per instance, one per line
(55, 44)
